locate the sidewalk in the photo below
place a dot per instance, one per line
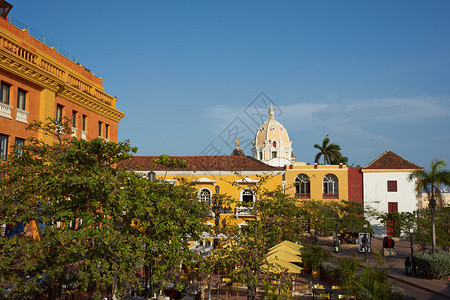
(439, 287)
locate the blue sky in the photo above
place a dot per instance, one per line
(192, 75)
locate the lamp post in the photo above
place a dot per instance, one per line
(364, 241)
(151, 177)
(217, 216)
(413, 263)
(336, 241)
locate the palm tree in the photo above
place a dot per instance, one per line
(431, 182)
(330, 152)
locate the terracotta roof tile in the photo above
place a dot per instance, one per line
(390, 160)
(200, 163)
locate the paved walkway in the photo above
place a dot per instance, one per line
(397, 273)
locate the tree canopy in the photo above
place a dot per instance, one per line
(330, 152)
(88, 226)
(431, 182)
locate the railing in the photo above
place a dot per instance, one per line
(330, 196)
(21, 115)
(244, 211)
(70, 78)
(42, 38)
(302, 195)
(52, 69)
(5, 110)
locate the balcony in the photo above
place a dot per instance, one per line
(5, 110)
(21, 115)
(244, 212)
(74, 132)
(303, 195)
(330, 196)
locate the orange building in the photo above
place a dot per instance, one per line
(37, 82)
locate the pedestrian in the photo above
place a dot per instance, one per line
(407, 266)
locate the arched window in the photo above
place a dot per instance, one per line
(204, 195)
(330, 187)
(247, 198)
(302, 187)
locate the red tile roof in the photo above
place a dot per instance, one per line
(390, 160)
(200, 163)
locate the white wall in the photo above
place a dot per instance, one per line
(377, 197)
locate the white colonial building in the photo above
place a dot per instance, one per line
(387, 188)
(272, 145)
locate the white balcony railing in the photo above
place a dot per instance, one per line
(244, 211)
(21, 115)
(84, 135)
(74, 132)
(5, 110)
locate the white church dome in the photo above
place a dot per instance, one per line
(272, 145)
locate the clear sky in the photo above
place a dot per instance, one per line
(189, 75)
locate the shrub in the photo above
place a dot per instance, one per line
(330, 270)
(434, 266)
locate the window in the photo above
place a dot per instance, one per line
(18, 144)
(74, 119)
(302, 187)
(330, 187)
(392, 206)
(274, 144)
(392, 185)
(247, 198)
(204, 195)
(21, 99)
(392, 226)
(59, 112)
(99, 129)
(84, 122)
(4, 89)
(274, 154)
(106, 131)
(3, 147)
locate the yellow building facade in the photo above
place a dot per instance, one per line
(317, 182)
(238, 177)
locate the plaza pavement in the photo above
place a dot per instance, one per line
(440, 288)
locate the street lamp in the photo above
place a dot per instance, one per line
(217, 215)
(364, 241)
(413, 263)
(336, 241)
(151, 176)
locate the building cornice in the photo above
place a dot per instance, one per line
(388, 170)
(40, 69)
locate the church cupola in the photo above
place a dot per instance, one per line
(272, 145)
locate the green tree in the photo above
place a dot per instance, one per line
(323, 215)
(373, 282)
(275, 219)
(98, 221)
(431, 182)
(330, 152)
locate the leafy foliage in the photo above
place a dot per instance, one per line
(314, 256)
(324, 216)
(330, 152)
(431, 183)
(433, 266)
(100, 225)
(275, 219)
(372, 282)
